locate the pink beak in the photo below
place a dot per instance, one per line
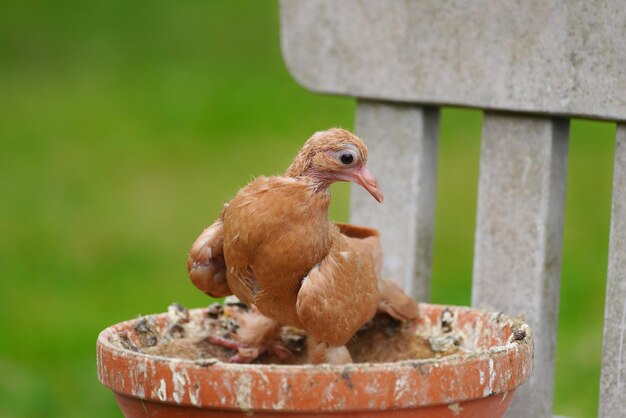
(366, 179)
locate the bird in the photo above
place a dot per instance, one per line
(274, 248)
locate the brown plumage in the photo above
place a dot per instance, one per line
(274, 248)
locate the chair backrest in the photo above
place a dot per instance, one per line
(530, 66)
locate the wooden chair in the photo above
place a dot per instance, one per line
(530, 66)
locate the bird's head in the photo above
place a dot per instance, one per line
(335, 155)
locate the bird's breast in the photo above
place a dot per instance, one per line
(276, 229)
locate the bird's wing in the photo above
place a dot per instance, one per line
(395, 302)
(365, 240)
(339, 295)
(205, 263)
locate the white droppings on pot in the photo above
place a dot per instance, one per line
(472, 335)
(492, 375)
(330, 389)
(487, 386)
(222, 389)
(161, 391)
(455, 408)
(194, 394)
(138, 379)
(504, 395)
(372, 387)
(120, 380)
(284, 394)
(179, 380)
(400, 388)
(101, 366)
(264, 378)
(243, 392)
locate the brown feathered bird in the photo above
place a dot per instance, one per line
(274, 248)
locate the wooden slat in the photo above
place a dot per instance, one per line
(402, 142)
(563, 57)
(517, 260)
(613, 382)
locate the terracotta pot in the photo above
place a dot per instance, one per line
(479, 383)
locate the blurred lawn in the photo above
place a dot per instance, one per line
(123, 129)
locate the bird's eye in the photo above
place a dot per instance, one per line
(348, 155)
(347, 158)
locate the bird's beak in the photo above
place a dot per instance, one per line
(367, 180)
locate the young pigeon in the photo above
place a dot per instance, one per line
(274, 248)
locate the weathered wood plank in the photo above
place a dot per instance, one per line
(402, 142)
(561, 57)
(517, 260)
(613, 382)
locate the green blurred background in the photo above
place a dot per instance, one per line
(124, 126)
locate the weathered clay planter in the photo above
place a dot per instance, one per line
(479, 382)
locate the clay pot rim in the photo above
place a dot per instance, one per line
(103, 340)
(481, 366)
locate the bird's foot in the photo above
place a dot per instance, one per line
(246, 353)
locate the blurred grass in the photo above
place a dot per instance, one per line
(123, 129)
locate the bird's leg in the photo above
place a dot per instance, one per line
(279, 351)
(249, 354)
(224, 342)
(246, 353)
